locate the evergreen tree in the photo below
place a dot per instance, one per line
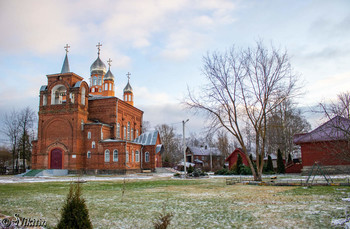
(238, 164)
(269, 167)
(290, 158)
(74, 212)
(280, 164)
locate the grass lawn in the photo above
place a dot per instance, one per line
(205, 203)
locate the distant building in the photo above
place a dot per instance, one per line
(87, 128)
(327, 145)
(232, 158)
(207, 158)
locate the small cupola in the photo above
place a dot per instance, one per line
(108, 81)
(109, 75)
(128, 93)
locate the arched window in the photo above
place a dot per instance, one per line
(82, 125)
(110, 87)
(118, 130)
(106, 86)
(115, 155)
(83, 95)
(137, 156)
(125, 98)
(137, 133)
(89, 135)
(58, 94)
(132, 134)
(100, 80)
(147, 157)
(129, 97)
(127, 157)
(128, 130)
(93, 89)
(44, 100)
(106, 155)
(93, 145)
(88, 155)
(94, 80)
(124, 132)
(132, 156)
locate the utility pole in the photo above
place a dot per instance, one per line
(184, 144)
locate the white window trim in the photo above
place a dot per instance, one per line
(137, 156)
(147, 157)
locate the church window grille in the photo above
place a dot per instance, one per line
(93, 145)
(107, 155)
(118, 130)
(71, 97)
(83, 96)
(147, 157)
(137, 156)
(88, 155)
(89, 135)
(128, 130)
(127, 157)
(115, 155)
(44, 100)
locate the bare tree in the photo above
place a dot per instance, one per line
(339, 107)
(283, 123)
(172, 145)
(146, 126)
(26, 121)
(245, 86)
(223, 143)
(11, 127)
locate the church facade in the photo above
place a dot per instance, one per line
(86, 128)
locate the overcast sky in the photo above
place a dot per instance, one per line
(162, 42)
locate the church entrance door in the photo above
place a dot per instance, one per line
(56, 159)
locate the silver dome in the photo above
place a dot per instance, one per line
(109, 75)
(98, 67)
(128, 88)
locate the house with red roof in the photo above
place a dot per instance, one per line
(327, 145)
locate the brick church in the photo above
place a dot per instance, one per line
(88, 128)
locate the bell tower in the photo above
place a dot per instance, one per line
(128, 93)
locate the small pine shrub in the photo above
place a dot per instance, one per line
(280, 165)
(269, 166)
(190, 169)
(74, 213)
(245, 170)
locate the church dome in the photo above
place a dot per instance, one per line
(128, 88)
(109, 75)
(98, 67)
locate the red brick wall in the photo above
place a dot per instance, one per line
(328, 153)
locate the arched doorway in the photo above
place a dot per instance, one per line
(56, 159)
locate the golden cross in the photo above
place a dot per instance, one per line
(66, 48)
(98, 47)
(109, 62)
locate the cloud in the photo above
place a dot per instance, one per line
(43, 27)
